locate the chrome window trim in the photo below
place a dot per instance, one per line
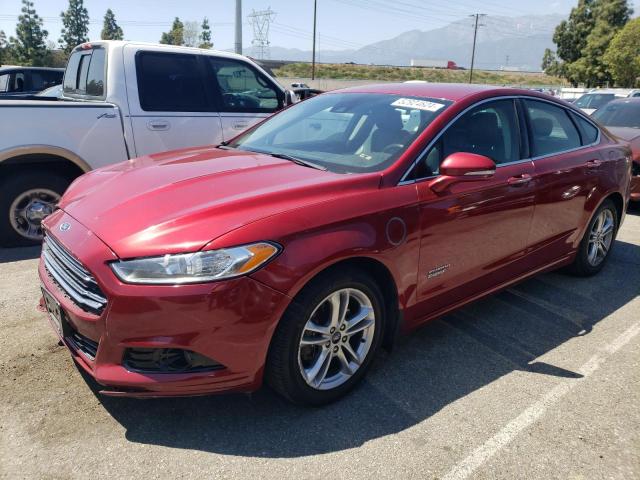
(420, 156)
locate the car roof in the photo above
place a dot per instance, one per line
(620, 92)
(8, 68)
(445, 91)
(162, 46)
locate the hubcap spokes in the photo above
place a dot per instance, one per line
(600, 238)
(336, 339)
(29, 209)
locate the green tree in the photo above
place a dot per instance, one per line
(609, 17)
(582, 40)
(29, 45)
(110, 29)
(550, 63)
(4, 45)
(623, 55)
(75, 23)
(175, 36)
(205, 34)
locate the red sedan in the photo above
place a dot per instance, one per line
(297, 250)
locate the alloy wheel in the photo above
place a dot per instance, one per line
(336, 339)
(600, 237)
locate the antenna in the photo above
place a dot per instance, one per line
(260, 21)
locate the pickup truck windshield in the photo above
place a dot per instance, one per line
(345, 132)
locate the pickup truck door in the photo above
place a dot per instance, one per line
(244, 95)
(169, 106)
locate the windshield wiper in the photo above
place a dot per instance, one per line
(298, 161)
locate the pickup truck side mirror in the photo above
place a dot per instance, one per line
(463, 167)
(290, 98)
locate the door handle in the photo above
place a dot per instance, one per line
(593, 163)
(519, 179)
(158, 125)
(240, 126)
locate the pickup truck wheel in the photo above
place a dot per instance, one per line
(25, 200)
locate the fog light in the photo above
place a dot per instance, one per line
(167, 360)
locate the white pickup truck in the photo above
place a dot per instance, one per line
(121, 100)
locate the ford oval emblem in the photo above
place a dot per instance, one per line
(65, 226)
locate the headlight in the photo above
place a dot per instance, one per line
(195, 267)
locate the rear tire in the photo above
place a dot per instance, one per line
(595, 247)
(309, 360)
(25, 199)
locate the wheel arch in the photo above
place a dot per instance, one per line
(385, 280)
(51, 157)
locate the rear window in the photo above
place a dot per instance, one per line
(170, 82)
(625, 114)
(85, 74)
(43, 79)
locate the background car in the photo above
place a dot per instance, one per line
(595, 99)
(622, 118)
(19, 81)
(296, 250)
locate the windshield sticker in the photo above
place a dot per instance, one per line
(418, 104)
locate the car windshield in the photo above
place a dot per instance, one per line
(594, 100)
(345, 132)
(625, 114)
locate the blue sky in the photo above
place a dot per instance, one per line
(341, 23)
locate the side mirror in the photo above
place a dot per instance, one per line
(463, 167)
(290, 98)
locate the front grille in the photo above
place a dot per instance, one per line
(72, 277)
(84, 344)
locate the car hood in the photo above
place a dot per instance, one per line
(179, 201)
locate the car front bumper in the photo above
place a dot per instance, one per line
(230, 322)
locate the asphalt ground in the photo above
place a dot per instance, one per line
(541, 381)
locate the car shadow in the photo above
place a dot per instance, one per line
(634, 208)
(440, 363)
(19, 253)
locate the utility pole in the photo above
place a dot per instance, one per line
(238, 44)
(475, 35)
(313, 57)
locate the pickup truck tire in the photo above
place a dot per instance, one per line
(25, 199)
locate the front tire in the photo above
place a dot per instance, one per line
(25, 199)
(327, 338)
(595, 247)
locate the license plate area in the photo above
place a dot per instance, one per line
(54, 310)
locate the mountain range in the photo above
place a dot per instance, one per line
(514, 43)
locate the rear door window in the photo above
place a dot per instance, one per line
(240, 88)
(552, 131)
(170, 82)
